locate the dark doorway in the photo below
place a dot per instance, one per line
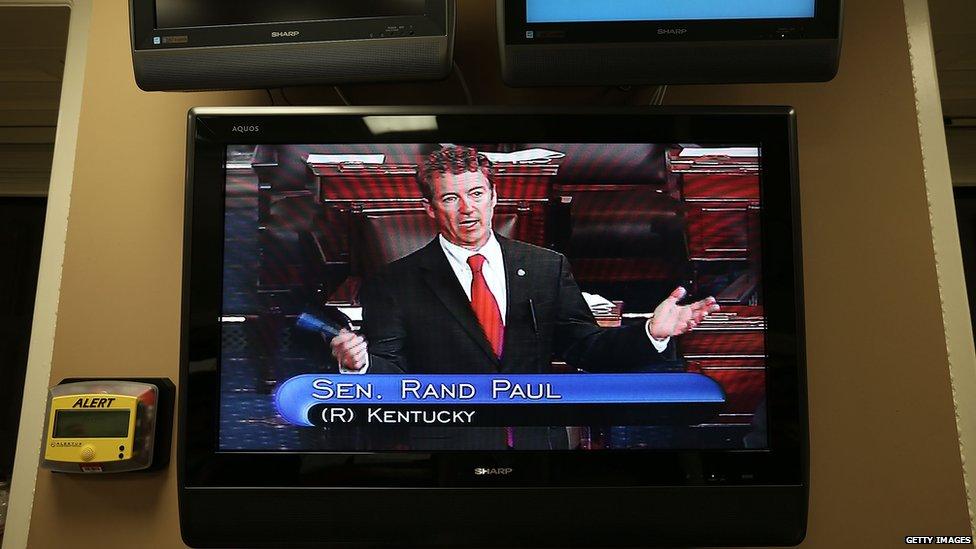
(21, 233)
(33, 44)
(966, 219)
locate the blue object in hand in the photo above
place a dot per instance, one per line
(308, 322)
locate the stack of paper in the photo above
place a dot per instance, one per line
(528, 156)
(340, 158)
(598, 304)
(731, 152)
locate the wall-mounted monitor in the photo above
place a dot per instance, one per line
(201, 44)
(487, 327)
(590, 42)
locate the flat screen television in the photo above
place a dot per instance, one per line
(590, 42)
(202, 44)
(492, 327)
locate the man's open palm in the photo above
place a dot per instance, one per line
(671, 319)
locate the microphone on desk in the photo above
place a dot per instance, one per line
(535, 321)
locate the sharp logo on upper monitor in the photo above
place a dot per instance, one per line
(492, 471)
(284, 34)
(245, 129)
(672, 31)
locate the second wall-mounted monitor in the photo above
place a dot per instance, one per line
(593, 42)
(202, 44)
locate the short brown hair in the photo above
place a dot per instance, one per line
(454, 160)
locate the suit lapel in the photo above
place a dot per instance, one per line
(442, 282)
(518, 290)
(516, 281)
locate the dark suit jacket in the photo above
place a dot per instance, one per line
(417, 319)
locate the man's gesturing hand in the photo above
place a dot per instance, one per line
(671, 319)
(349, 350)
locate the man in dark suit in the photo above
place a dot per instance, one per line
(471, 301)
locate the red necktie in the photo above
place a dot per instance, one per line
(489, 316)
(484, 305)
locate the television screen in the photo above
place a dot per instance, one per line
(201, 13)
(567, 11)
(491, 296)
(459, 309)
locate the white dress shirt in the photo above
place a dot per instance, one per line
(494, 272)
(493, 269)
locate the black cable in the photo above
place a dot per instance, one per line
(287, 101)
(464, 84)
(270, 97)
(342, 96)
(657, 98)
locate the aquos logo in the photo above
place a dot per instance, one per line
(492, 471)
(672, 31)
(284, 34)
(245, 129)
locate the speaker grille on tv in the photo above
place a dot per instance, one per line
(669, 63)
(275, 65)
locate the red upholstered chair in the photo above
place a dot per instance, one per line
(628, 243)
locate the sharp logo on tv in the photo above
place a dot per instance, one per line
(284, 34)
(492, 471)
(245, 129)
(672, 31)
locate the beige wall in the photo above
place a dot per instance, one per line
(885, 459)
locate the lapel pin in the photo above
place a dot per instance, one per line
(521, 272)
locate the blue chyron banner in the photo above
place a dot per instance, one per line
(591, 11)
(488, 399)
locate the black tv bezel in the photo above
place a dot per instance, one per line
(142, 14)
(825, 24)
(210, 130)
